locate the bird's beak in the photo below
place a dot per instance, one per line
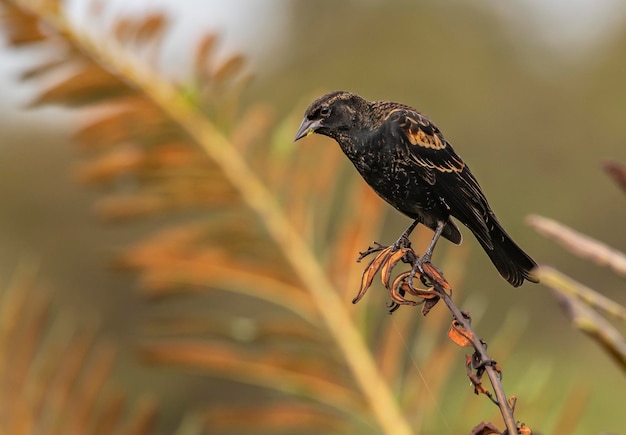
(306, 128)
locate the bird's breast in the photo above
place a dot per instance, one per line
(392, 177)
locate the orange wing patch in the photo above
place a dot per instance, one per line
(417, 136)
(420, 132)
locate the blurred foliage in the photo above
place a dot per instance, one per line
(585, 307)
(260, 263)
(56, 375)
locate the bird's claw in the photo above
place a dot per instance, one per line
(418, 267)
(402, 242)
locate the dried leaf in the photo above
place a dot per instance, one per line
(89, 390)
(57, 374)
(277, 417)
(89, 85)
(21, 28)
(271, 370)
(119, 207)
(396, 291)
(459, 335)
(390, 263)
(143, 418)
(123, 29)
(429, 304)
(198, 275)
(254, 125)
(42, 69)
(229, 68)
(110, 416)
(134, 119)
(115, 163)
(151, 28)
(485, 429)
(370, 271)
(475, 378)
(204, 52)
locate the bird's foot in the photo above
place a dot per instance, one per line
(418, 269)
(402, 242)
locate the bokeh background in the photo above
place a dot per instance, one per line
(530, 93)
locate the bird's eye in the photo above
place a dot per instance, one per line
(325, 111)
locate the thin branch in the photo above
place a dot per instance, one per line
(564, 284)
(486, 362)
(578, 301)
(580, 244)
(387, 257)
(260, 199)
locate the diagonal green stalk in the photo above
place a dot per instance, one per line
(259, 198)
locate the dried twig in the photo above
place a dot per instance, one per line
(461, 331)
(578, 302)
(580, 244)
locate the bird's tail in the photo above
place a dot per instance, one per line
(513, 264)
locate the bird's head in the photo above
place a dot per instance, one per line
(332, 115)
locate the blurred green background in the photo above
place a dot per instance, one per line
(531, 94)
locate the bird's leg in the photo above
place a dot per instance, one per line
(403, 241)
(427, 255)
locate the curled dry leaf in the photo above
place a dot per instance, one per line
(460, 335)
(475, 378)
(390, 263)
(385, 261)
(370, 272)
(398, 290)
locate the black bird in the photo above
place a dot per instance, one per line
(407, 161)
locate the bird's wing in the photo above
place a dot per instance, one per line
(444, 169)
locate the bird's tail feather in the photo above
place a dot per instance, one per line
(511, 261)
